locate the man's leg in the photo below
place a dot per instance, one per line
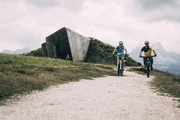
(144, 59)
(151, 60)
(122, 62)
(117, 62)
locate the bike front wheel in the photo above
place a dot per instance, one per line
(122, 72)
(118, 70)
(148, 70)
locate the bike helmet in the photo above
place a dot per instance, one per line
(146, 42)
(120, 42)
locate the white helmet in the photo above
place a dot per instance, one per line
(146, 42)
(120, 42)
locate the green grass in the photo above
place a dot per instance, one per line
(164, 82)
(23, 74)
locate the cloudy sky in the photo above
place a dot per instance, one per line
(26, 23)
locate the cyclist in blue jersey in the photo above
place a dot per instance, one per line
(120, 51)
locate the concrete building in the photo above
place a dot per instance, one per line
(66, 44)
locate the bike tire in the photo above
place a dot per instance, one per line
(122, 68)
(118, 70)
(148, 70)
(121, 72)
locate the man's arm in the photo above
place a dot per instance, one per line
(140, 53)
(114, 51)
(154, 52)
(126, 50)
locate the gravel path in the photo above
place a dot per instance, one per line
(109, 98)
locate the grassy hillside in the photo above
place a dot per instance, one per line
(100, 52)
(22, 74)
(38, 53)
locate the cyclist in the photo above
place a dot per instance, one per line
(147, 52)
(120, 51)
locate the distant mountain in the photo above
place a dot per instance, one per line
(18, 51)
(165, 61)
(7, 51)
(174, 55)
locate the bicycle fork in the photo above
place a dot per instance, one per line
(120, 67)
(120, 62)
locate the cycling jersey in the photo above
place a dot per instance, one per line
(120, 51)
(147, 50)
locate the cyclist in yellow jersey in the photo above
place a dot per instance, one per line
(147, 52)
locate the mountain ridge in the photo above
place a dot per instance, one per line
(18, 51)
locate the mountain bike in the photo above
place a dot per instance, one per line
(120, 66)
(148, 64)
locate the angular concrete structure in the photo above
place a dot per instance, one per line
(44, 49)
(66, 44)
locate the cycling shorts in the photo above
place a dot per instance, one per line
(120, 55)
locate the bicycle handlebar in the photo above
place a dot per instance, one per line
(147, 56)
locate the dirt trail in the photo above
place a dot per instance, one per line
(109, 98)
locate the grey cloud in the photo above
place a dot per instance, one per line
(156, 4)
(172, 16)
(7, 0)
(43, 3)
(65, 4)
(156, 10)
